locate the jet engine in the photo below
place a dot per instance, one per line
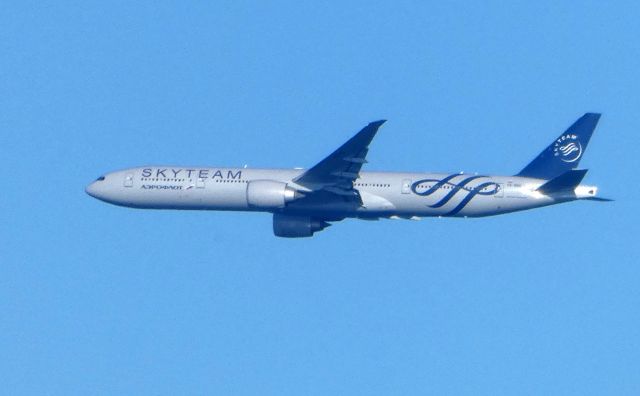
(291, 226)
(270, 194)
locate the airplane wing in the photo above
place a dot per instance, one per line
(337, 172)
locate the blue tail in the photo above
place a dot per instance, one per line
(565, 152)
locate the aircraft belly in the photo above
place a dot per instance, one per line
(375, 203)
(156, 198)
(461, 206)
(232, 197)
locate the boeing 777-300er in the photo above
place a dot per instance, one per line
(306, 201)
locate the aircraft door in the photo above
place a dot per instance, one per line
(128, 180)
(406, 186)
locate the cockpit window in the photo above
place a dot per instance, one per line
(101, 178)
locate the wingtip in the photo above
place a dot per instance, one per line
(599, 199)
(377, 123)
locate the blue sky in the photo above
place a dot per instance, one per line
(97, 299)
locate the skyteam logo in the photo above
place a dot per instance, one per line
(427, 187)
(568, 148)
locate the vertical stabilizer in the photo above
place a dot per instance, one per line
(565, 152)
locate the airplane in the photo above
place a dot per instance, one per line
(304, 202)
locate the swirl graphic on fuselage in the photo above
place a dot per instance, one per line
(456, 187)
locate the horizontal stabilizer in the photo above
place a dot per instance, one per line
(599, 199)
(566, 182)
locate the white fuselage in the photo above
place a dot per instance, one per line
(383, 194)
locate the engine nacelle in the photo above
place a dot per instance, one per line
(269, 194)
(290, 226)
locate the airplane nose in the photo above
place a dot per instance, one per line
(102, 189)
(98, 188)
(91, 189)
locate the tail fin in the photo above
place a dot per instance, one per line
(565, 152)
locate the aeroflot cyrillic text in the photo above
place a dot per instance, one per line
(154, 187)
(199, 173)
